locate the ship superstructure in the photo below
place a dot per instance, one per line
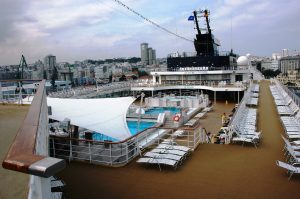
(207, 69)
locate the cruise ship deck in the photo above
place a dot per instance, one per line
(211, 171)
(13, 185)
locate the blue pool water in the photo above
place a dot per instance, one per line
(157, 110)
(132, 125)
(101, 137)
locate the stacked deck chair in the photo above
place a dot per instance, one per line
(165, 154)
(245, 129)
(292, 153)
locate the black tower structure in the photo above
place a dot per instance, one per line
(207, 54)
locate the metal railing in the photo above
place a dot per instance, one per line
(292, 95)
(81, 91)
(16, 98)
(27, 149)
(120, 153)
(214, 84)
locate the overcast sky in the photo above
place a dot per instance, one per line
(98, 29)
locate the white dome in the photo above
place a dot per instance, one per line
(242, 61)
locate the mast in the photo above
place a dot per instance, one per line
(206, 13)
(196, 21)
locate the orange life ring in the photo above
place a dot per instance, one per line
(176, 118)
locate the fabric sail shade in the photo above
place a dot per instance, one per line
(105, 115)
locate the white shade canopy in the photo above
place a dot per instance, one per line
(105, 115)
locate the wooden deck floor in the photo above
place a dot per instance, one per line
(212, 171)
(13, 185)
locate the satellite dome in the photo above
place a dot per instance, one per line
(243, 61)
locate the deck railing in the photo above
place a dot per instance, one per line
(96, 90)
(214, 84)
(293, 96)
(120, 153)
(10, 95)
(29, 151)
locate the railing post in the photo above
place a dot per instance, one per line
(110, 154)
(127, 157)
(70, 154)
(20, 93)
(90, 152)
(194, 139)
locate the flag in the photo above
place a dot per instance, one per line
(191, 18)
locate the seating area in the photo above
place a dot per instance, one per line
(255, 88)
(292, 152)
(289, 114)
(288, 111)
(192, 122)
(284, 104)
(166, 153)
(252, 102)
(200, 115)
(243, 127)
(246, 128)
(178, 133)
(291, 168)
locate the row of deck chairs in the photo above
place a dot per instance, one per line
(288, 111)
(255, 88)
(290, 119)
(166, 153)
(292, 153)
(284, 104)
(291, 125)
(252, 101)
(243, 126)
(245, 129)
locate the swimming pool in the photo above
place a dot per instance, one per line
(158, 110)
(132, 125)
(102, 137)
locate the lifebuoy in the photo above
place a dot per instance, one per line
(176, 118)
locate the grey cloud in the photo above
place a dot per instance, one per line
(10, 14)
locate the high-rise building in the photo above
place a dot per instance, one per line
(50, 62)
(144, 53)
(150, 56)
(153, 56)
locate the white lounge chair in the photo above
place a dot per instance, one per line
(158, 161)
(178, 133)
(163, 156)
(176, 147)
(291, 168)
(245, 140)
(200, 115)
(169, 151)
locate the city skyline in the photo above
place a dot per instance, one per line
(78, 30)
